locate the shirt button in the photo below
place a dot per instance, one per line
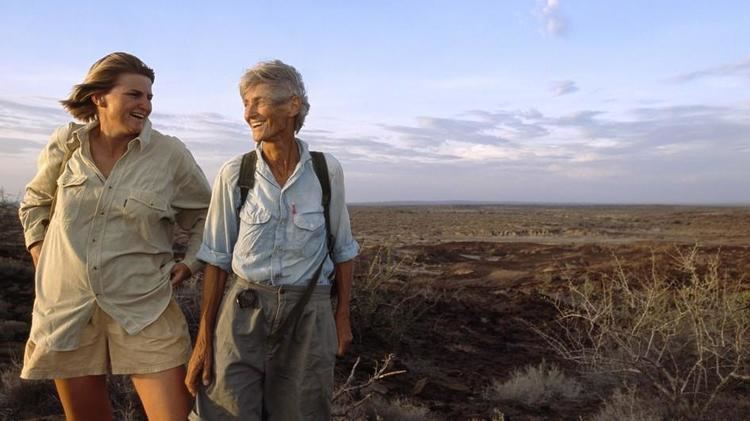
(94, 267)
(110, 187)
(101, 213)
(93, 240)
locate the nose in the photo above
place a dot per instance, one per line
(250, 111)
(144, 103)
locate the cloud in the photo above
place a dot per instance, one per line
(16, 146)
(647, 153)
(563, 87)
(739, 69)
(30, 121)
(554, 22)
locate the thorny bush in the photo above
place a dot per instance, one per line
(682, 331)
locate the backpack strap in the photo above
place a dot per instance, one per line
(246, 179)
(321, 171)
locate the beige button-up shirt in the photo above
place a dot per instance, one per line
(109, 242)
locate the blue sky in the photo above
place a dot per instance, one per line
(520, 100)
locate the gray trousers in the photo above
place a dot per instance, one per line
(255, 380)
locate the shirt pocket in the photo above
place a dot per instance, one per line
(149, 214)
(71, 190)
(308, 232)
(254, 233)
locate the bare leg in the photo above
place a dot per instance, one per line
(164, 394)
(85, 398)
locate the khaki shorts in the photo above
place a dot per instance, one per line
(106, 348)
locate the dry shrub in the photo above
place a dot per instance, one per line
(682, 331)
(21, 399)
(15, 269)
(398, 409)
(126, 405)
(535, 385)
(24, 399)
(8, 200)
(382, 304)
(626, 405)
(349, 397)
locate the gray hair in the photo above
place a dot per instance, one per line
(279, 75)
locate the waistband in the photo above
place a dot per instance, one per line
(320, 291)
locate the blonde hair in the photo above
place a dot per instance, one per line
(102, 77)
(279, 75)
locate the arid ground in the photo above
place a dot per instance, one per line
(454, 289)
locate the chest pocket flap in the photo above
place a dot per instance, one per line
(69, 180)
(310, 221)
(254, 216)
(148, 199)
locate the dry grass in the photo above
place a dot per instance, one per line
(21, 399)
(626, 405)
(683, 331)
(535, 385)
(398, 409)
(383, 304)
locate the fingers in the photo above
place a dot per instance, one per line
(345, 341)
(207, 371)
(179, 273)
(343, 333)
(191, 377)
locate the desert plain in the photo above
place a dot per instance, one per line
(451, 292)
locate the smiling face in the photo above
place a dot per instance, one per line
(122, 111)
(270, 112)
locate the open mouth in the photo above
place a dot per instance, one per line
(138, 115)
(256, 124)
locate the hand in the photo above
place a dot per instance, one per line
(180, 272)
(35, 250)
(344, 333)
(200, 364)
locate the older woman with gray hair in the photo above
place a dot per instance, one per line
(277, 237)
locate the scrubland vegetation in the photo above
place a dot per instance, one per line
(488, 330)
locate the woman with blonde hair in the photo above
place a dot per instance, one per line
(98, 220)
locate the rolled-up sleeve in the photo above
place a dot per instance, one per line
(191, 204)
(220, 232)
(35, 205)
(345, 247)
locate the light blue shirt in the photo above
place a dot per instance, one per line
(280, 235)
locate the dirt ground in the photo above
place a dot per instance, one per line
(497, 266)
(491, 270)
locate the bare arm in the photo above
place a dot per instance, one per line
(344, 276)
(35, 250)
(214, 280)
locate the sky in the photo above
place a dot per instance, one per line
(549, 101)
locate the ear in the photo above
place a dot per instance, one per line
(99, 100)
(294, 106)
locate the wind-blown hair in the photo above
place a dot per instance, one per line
(101, 78)
(281, 76)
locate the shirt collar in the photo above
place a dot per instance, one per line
(82, 133)
(303, 148)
